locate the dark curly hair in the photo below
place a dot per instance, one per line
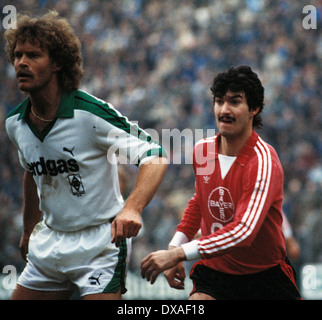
(54, 34)
(241, 79)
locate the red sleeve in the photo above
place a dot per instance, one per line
(190, 222)
(262, 186)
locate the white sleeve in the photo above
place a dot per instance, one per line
(11, 135)
(127, 141)
(178, 239)
(190, 248)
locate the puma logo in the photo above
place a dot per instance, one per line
(94, 281)
(69, 150)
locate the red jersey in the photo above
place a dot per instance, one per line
(240, 215)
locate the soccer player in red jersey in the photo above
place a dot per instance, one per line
(237, 206)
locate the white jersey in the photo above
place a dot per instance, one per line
(74, 159)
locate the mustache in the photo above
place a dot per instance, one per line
(24, 73)
(226, 118)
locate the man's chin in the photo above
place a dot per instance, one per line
(25, 89)
(225, 133)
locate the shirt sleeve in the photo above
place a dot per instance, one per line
(189, 226)
(191, 250)
(262, 187)
(178, 239)
(190, 222)
(11, 135)
(126, 140)
(187, 229)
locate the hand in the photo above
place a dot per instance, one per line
(175, 276)
(156, 262)
(127, 224)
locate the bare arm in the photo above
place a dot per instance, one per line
(31, 212)
(128, 222)
(162, 260)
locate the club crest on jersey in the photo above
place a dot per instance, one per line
(76, 184)
(221, 205)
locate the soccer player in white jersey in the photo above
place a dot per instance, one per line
(76, 226)
(237, 205)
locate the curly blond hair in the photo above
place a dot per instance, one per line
(56, 35)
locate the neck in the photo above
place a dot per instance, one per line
(230, 146)
(46, 102)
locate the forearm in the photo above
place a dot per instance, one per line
(31, 212)
(128, 222)
(178, 254)
(148, 180)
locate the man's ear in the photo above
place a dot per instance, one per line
(55, 66)
(255, 111)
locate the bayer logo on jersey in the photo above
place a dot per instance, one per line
(76, 184)
(221, 205)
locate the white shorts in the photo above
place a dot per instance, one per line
(62, 261)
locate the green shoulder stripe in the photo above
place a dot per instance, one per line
(103, 110)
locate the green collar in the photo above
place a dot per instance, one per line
(65, 109)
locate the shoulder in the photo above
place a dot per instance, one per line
(267, 151)
(255, 149)
(92, 104)
(84, 99)
(99, 108)
(206, 144)
(19, 110)
(12, 123)
(204, 156)
(264, 159)
(205, 150)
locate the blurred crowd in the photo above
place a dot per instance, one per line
(155, 60)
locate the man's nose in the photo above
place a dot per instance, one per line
(23, 62)
(225, 107)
